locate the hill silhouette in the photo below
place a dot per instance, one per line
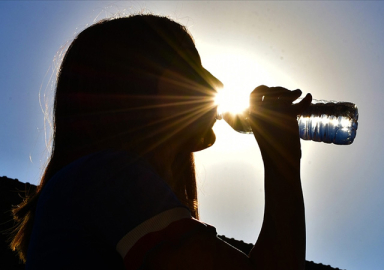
(12, 192)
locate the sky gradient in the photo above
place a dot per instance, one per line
(333, 50)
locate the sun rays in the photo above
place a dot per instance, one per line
(231, 101)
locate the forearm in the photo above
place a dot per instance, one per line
(281, 243)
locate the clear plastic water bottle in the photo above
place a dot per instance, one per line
(323, 121)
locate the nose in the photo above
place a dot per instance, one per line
(213, 81)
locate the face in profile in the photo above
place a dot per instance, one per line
(186, 94)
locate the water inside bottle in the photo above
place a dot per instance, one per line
(329, 129)
(329, 122)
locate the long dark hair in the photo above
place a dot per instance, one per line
(105, 95)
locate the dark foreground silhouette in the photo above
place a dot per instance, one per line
(12, 192)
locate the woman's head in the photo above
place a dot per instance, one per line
(135, 80)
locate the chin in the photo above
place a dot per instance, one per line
(206, 141)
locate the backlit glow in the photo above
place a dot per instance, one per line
(239, 72)
(345, 122)
(231, 101)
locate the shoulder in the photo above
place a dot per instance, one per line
(109, 187)
(186, 244)
(118, 192)
(103, 169)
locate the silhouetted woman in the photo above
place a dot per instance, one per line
(132, 103)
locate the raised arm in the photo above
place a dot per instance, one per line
(281, 243)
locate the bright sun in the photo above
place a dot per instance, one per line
(229, 100)
(239, 73)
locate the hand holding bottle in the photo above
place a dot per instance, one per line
(273, 119)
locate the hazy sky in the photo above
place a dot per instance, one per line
(333, 50)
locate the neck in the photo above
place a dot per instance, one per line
(160, 158)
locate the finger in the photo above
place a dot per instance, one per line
(302, 105)
(290, 96)
(280, 90)
(276, 93)
(264, 93)
(258, 93)
(281, 96)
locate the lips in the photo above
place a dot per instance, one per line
(213, 122)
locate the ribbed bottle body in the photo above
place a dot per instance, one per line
(329, 122)
(323, 121)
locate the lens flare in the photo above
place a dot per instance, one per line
(231, 101)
